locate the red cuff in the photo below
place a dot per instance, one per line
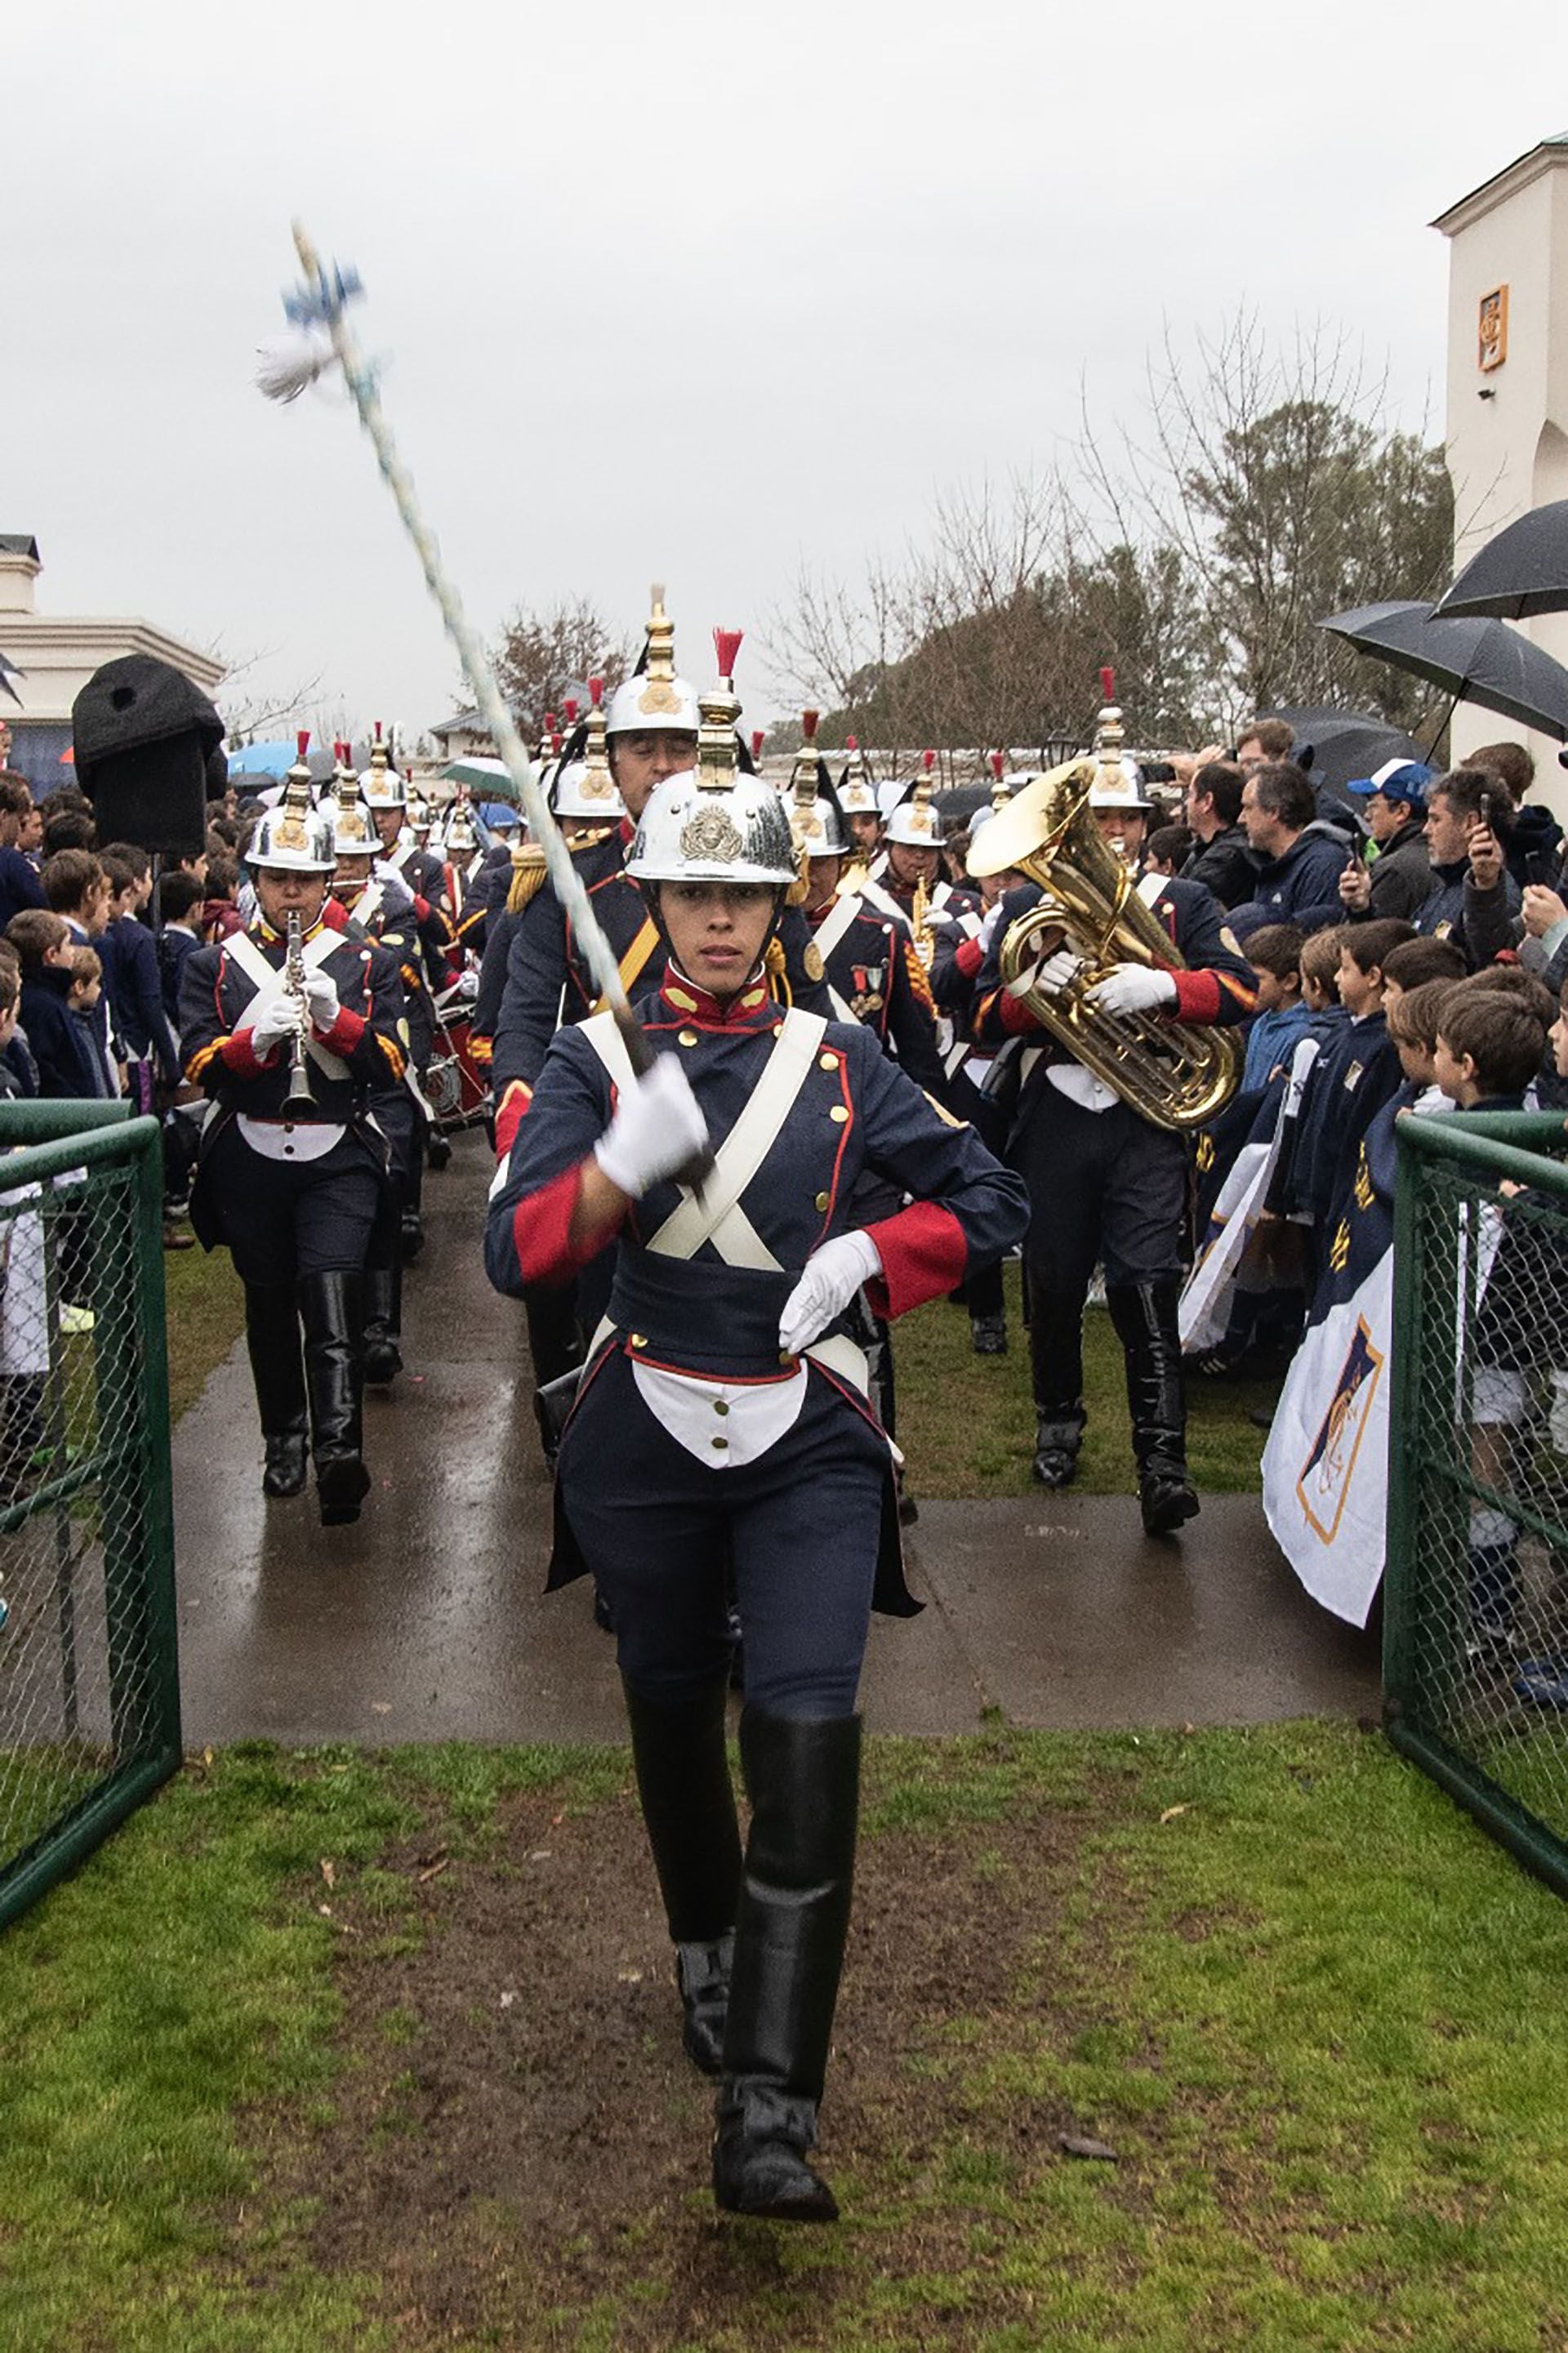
(969, 955)
(541, 1232)
(240, 1056)
(421, 909)
(1197, 996)
(345, 1033)
(508, 1118)
(1015, 1015)
(923, 1256)
(335, 915)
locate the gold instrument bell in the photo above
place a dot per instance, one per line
(1174, 1074)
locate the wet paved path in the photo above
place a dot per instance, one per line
(427, 1622)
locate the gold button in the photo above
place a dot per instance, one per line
(828, 1062)
(722, 1444)
(839, 1113)
(786, 1358)
(823, 1199)
(638, 1340)
(687, 1037)
(721, 1405)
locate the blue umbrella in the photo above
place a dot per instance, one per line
(264, 759)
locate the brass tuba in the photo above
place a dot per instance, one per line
(1174, 1074)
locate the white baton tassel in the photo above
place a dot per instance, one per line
(290, 365)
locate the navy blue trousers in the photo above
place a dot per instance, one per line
(284, 1218)
(798, 1528)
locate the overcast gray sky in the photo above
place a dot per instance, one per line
(680, 292)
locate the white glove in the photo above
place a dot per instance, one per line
(1133, 988)
(275, 1023)
(829, 1280)
(1050, 976)
(397, 897)
(322, 996)
(987, 932)
(658, 1127)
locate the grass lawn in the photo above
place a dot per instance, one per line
(397, 2065)
(206, 1307)
(966, 1423)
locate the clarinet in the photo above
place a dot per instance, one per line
(300, 1090)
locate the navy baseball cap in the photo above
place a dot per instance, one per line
(1402, 780)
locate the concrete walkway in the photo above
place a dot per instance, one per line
(427, 1621)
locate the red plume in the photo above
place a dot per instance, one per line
(759, 737)
(550, 722)
(595, 692)
(808, 720)
(852, 743)
(303, 739)
(930, 759)
(997, 764)
(555, 741)
(378, 730)
(570, 707)
(727, 647)
(1108, 684)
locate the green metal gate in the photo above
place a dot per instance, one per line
(1476, 1607)
(90, 1708)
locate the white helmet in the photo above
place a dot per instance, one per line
(354, 834)
(857, 792)
(655, 700)
(380, 786)
(461, 839)
(1117, 784)
(292, 837)
(917, 822)
(581, 789)
(818, 831)
(691, 832)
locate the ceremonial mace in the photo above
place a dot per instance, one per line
(317, 310)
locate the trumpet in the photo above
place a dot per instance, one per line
(300, 1090)
(920, 924)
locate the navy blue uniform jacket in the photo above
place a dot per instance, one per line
(368, 1035)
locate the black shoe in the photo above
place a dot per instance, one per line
(802, 1775)
(285, 1470)
(382, 1361)
(438, 1150)
(1167, 1501)
(702, 1973)
(342, 1482)
(382, 1324)
(988, 1334)
(758, 2155)
(1058, 1433)
(411, 1235)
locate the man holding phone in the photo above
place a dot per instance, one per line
(1400, 879)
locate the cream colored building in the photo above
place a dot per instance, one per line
(57, 654)
(1508, 386)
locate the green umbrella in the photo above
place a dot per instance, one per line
(488, 776)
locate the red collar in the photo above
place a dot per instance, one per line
(752, 1007)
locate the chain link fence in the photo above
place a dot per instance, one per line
(88, 1689)
(1476, 1614)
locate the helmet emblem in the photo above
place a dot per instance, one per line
(710, 834)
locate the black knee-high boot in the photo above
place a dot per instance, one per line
(1055, 1362)
(384, 1323)
(1145, 1316)
(689, 1807)
(803, 1777)
(333, 1309)
(272, 1337)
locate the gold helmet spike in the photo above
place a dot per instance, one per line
(718, 762)
(598, 784)
(804, 777)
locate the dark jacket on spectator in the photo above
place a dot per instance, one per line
(173, 947)
(134, 988)
(18, 1064)
(1401, 877)
(1301, 887)
(20, 885)
(60, 1046)
(1227, 864)
(1480, 922)
(1534, 845)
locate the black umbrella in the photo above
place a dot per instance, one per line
(1479, 661)
(1523, 570)
(1339, 747)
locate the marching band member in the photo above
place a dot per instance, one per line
(291, 1047)
(404, 867)
(1105, 1182)
(720, 1422)
(858, 800)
